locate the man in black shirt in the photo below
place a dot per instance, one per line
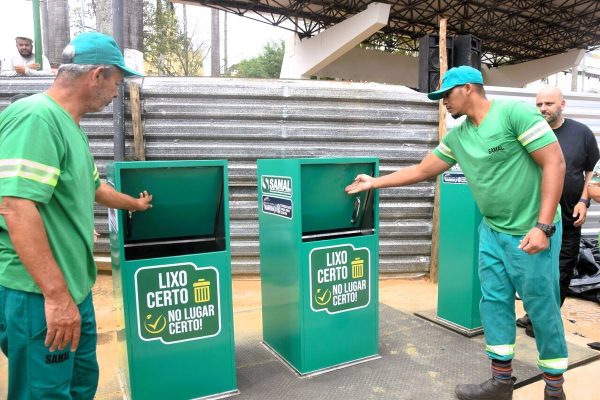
(580, 151)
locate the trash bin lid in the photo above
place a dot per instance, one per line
(186, 201)
(325, 204)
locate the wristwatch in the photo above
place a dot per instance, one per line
(585, 201)
(548, 229)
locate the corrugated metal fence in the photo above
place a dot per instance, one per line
(243, 120)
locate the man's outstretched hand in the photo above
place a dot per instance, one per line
(361, 183)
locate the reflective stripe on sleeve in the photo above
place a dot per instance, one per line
(445, 150)
(535, 132)
(18, 167)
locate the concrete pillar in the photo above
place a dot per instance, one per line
(305, 58)
(374, 66)
(519, 75)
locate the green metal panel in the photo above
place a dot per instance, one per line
(317, 194)
(184, 206)
(173, 296)
(279, 258)
(319, 293)
(459, 291)
(333, 335)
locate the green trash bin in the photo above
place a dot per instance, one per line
(459, 291)
(318, 262)
(172, 280)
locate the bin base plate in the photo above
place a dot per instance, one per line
(432, 317)
(219, 395)
(319, 371)
(419, 360)
(126, 393)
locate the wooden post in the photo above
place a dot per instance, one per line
(435, 228)
(136, 122)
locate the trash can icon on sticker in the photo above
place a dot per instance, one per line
(358, 268)
(201, 291)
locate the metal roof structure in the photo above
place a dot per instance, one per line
(512, 31)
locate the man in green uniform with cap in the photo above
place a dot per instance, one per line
(515, 169)
(48, 185)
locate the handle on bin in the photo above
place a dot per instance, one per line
(129, 226)
(356, 210)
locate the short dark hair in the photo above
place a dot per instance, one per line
(478, 88)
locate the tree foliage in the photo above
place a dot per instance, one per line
(168, 49)
(82, 19)
(96, 15)
(265, 65)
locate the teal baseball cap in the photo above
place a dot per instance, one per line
(457, 76)
(95, 48)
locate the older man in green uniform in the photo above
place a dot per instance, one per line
(48, 185)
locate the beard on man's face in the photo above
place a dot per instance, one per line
(25, 52)
(550, 117)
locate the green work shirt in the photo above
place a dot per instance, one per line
(45, 157)
(596, 173)
(495, 158)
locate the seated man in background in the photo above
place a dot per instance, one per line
(23, 62)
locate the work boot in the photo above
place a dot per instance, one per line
(492, 389)
(523, 321)
(529, 330)
(563, 396)
(594, 345)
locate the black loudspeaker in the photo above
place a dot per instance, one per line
(467, 51)
(429, 61)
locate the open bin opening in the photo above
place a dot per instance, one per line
(175, 247)
(335, 234)
(328, 212)
(186, 216)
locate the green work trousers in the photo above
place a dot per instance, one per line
(504, 269)
(33, 371)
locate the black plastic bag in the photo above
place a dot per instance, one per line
(586, 282)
